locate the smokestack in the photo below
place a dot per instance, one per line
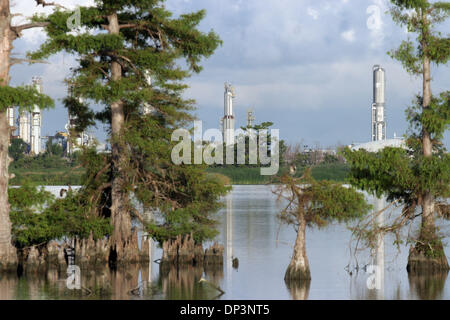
(250, 117)
(379, 104)
(36, 121)
(228, 119)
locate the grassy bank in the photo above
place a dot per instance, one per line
(246, 175)
(233, 175)
(47, 176)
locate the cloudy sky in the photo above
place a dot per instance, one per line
(305, 65)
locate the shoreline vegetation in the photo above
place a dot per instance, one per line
(232, 175)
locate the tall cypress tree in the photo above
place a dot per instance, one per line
(133, 56)
(419, 176)
(24, 97)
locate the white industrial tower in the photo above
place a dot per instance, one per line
(228, 119)
(10, 115)
(379, 104)
(36, 121)
(24, 127)
(75, 140)
(250, 117)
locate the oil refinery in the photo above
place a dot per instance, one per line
(378, 117)
(29, 127)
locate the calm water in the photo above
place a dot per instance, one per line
(251, 232)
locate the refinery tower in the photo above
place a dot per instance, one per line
(379, 104)
(228, 119)
(30, 123)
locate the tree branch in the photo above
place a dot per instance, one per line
(18, 29)
(14, 61)
(45, 4)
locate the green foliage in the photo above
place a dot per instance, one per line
(245, 175)
(435, 118)
(38, 218)
(25, 97)
(82, 116)
(17, 149)
(407, 177)
(420, 16)
(151, 43)
(53, 149)
(246, 138)
(411, 4)
(43, 161)
(183, 197)
(319, 202)
(186, 196)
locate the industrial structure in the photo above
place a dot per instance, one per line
(250, 118)
(75, 140)
(36, 121)
(228, 121)
(30, 123)
(379, 104)
(10, 114)
(379, 138)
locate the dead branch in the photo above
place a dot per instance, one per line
(49, 4)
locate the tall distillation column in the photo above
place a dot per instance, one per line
(10, 116)
(36, 121)
(379, 104)
(228, 119)
(250, 117)
(379, 134)
(24, 127)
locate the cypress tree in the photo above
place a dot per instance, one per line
(133, 56)
(24, 97)
(419, 176)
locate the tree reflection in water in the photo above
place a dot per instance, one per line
(299, 290)
(427, 286)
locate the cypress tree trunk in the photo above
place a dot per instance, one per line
(8, 255)
(428, 254)
(298, 269)
(121, 219)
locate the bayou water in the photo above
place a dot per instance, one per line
(251, 232)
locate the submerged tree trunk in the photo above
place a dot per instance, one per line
(122, 242)
(299, 267)
(428, 254)
(8, 254)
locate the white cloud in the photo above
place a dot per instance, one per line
(313, 13)
(348, 35)
(282, 62)
(27, 8)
